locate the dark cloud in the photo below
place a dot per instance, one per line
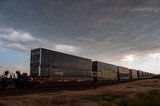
(98, 29)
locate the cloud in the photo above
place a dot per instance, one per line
(1, 66)
(154, 55)
(105, 30)
(65, 48)
(22, 69)
(14, 36)
(146, 9)
(13, 69)
(128, 58)
(17, 46)
(17, 40)
(148, 62)
(1, 49)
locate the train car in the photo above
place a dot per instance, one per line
(145, 75)
(49, 66)
(134, 73)
(138, 72)
(52, 67)
(55, 64)
(104, 71)
(55, 81)
(154, 75)
(151, 75)
(141, 76)
(123, 73)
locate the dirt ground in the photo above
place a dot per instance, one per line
(107, 95)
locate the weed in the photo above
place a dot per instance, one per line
(105, 99)
(151, 98)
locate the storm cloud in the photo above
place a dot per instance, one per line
(105, 30)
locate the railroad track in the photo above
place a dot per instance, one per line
(56, 88)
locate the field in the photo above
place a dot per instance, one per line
(135, 93)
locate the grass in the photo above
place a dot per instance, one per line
(151, 98)
(105, 99)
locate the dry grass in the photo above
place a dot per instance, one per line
(137, 93)
(151, 98)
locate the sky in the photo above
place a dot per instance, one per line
(120, 32)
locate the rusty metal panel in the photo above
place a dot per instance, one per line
(60, 80)
(108, 75)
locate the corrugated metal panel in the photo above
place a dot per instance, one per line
(134, 73)
(147, 75)
(94, 66)
(62, 60)
(123, 73)
(59, 72)
(104, 71)
(141, 74)
(100, 66)
(35, 62)
(45, 57)
(44, 71)
(46, 60)
(35, 57)
(34, 71)
(150, 75)
(144, 75)
(108, 75)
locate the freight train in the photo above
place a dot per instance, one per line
(49, 67)
(52, 67)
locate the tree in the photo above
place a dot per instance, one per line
(6, 73)
(18, 74)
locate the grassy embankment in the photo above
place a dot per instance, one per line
(151, 98)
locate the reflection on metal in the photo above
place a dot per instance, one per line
(59, 73)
